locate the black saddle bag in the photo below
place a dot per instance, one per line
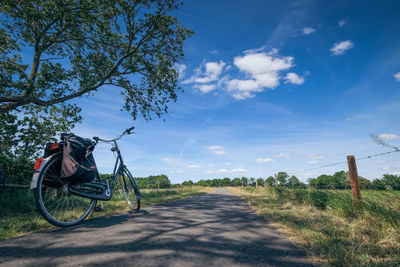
(78, 165)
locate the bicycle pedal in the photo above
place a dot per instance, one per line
(98, 209)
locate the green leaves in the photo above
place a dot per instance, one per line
(73, 48)
(80, 46)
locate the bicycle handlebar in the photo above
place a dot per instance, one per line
(127, 131)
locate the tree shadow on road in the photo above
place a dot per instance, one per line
(217, 229)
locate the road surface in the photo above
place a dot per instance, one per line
(218, 229)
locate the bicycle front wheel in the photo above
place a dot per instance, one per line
(130, 189)
(53, 200)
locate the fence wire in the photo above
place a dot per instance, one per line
(345, 162)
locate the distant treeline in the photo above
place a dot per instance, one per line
(153, 181)
(339, 180)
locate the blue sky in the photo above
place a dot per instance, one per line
(269, 86)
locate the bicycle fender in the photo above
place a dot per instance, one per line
(35, 176)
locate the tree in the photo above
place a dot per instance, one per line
(244, 181)
(252, 181)
(260, 181)
(78, 48)
(323, 182)
(293, 182)
(226, 181)
(339, 179)
(378, 184)
(202, 183)
(365, 183)
(236, 181)
(153, 181)
(392, 180)
(188, 183)
(270, 181)
(282, 178)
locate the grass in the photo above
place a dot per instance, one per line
(18, 213)
(330, 228)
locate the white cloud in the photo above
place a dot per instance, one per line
(258, 71)
(211, 73)
(314, 156)
(232, 171)
(213, 52)
(284, 155)
(227, 163)
(192, 166)
(205, 88)
(238, 170)
(388, 137)
(340, 48)
(397, 76)
(308, 30)
(313, 162)
(264, 160)
(262, 70)
(217, 150)
(214, 147)
(180, 68)
(169, 160)
(342, 22)
(179, 171)
(292, 77)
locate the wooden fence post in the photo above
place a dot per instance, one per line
(256, 183)
(276, 179)
(355, 185)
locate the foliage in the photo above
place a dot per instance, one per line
(339, 180)
(22, 138)
(79, 46)
(154, 181)
(270, 181)
(282, 178)
(392, 180)
(76, 48)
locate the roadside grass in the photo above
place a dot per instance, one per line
(18, 214)
(329, 227)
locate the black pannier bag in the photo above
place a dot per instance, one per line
(78, 165)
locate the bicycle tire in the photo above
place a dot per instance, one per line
(130, 189)
(53, 200)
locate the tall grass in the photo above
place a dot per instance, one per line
(18, 213)
(330, 227)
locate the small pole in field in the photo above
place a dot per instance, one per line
(355, 185)
(276, 179)
(256, 182)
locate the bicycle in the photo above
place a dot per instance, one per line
(65, 205)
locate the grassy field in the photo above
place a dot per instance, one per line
(18, 215)
(330, 228)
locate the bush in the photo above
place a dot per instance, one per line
(301, 196)
(319, 199)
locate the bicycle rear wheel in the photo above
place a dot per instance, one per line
(129, 188)
(53, 200)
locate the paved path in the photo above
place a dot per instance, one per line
(217, 229)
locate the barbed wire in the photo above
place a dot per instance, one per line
(344, 162)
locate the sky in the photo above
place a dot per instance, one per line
(269, 86)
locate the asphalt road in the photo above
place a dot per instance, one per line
(217, 229)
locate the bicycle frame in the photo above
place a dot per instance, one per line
(118, 166)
